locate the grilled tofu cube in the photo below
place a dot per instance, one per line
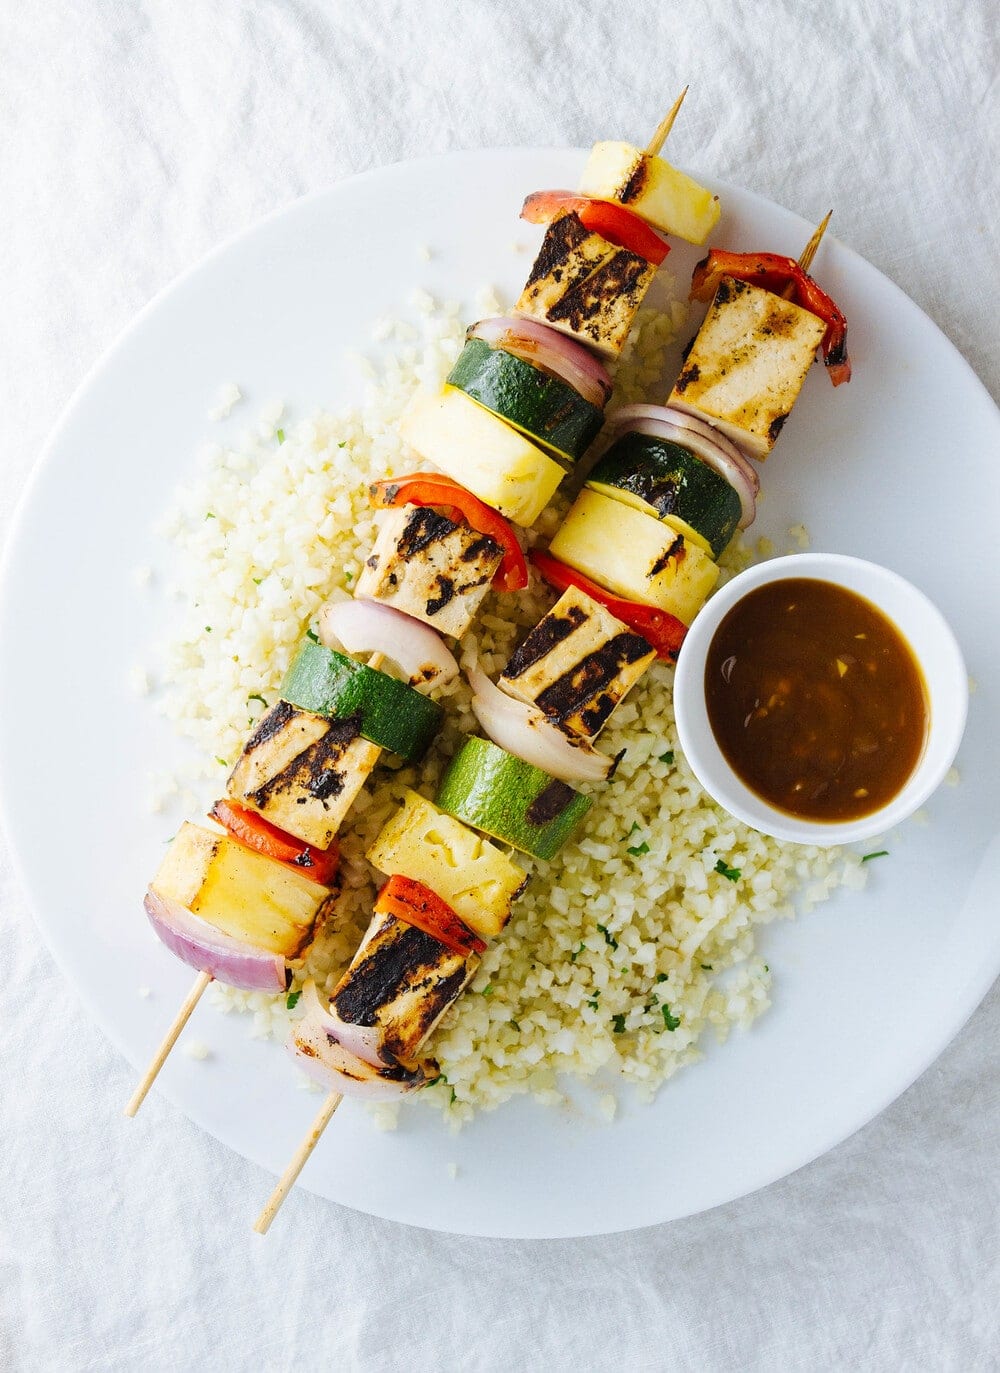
(430, 568)
(747, 364)
(577, 664)
(243, 894)
(477, 880)
(302, 771)
(398, 986)
(585, 286)
(649, 186)
(480, 450)
(635, 555)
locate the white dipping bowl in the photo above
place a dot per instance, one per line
(922, 626)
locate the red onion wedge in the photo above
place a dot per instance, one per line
(713, 448)
(551, 351)
(367, 627)
(319, 1053)
(523, 730)
(202, 946)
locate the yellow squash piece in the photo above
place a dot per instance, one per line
(634, 555)
(649, 186)
(243, 894)
(477, 880)
(478, 449)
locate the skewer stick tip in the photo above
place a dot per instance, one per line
(809, 251)
(665, 125)
(169, 1040)
(297, 1162)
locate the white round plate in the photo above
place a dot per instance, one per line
(900, 467)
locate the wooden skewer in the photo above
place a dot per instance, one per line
(170, 1039)
(665, 125)
(297, 1163)
(808, 253)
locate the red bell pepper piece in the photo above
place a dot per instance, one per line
(411, 901)
(776, 273)
(433, 488)
(254, 832)
(662, 631)
(614, 222)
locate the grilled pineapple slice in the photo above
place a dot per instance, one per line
(478, 449)
(585, 286)
(302, 771)
(747, 364)
(477, 880)
(634, 555)
(430, 568)
(577, 664)
(243, 894)
(652, 189)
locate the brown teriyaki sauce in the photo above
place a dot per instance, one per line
(815, 699)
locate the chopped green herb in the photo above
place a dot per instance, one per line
(311, 634)
(707, 968)
(348, 575)
(662, 977)
(435, 1080)
(256, 696)
(292, 1000)
(733, 874)
(488, 989)
(618, 1021)
(342, 444)
(208, 629)
(221, 761)
(637, 850)
(608, 938)
(635, 826)
(210, 515)
(880, 853)
(766, 968)
(667, 757)
(593, 1002)
(452, 1090)
(670, 1021)
(280, 435)
(257, 581)
(577, 952)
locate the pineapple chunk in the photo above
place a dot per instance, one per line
(747, 364)
(430, 568)
(478, 449)
(302, 771)
(577, 664)
(634, 555)
(585, 286)
(477, 880)
(243, 894)
(652, 189)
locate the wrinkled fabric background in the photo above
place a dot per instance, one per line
(134, 137)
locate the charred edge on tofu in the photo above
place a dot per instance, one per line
(407, 961)
(550, 802)
(422, 528)
(272, 723)
(547, 634)
(315, 769)
(561, 237)
(687, 375)
(583, 689)
(619, 281)
(675, 551)
(776, 426)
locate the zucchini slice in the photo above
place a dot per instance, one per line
(666, 480)
(544, 407)
(634, 555)
(510, 800)
(390, 713)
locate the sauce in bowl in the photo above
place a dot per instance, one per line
(816, 700)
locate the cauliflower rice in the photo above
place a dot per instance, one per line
(626, 948)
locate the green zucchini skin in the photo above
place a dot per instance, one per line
(541, 406)
(509, 799)
(667, 479)
(391, 714)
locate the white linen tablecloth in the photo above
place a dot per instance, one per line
(133, 138)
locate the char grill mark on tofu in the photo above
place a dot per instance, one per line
(401, 981)
(302, 771)
(585, 286)
(747, 363)
(577, 664)
(431, 568)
